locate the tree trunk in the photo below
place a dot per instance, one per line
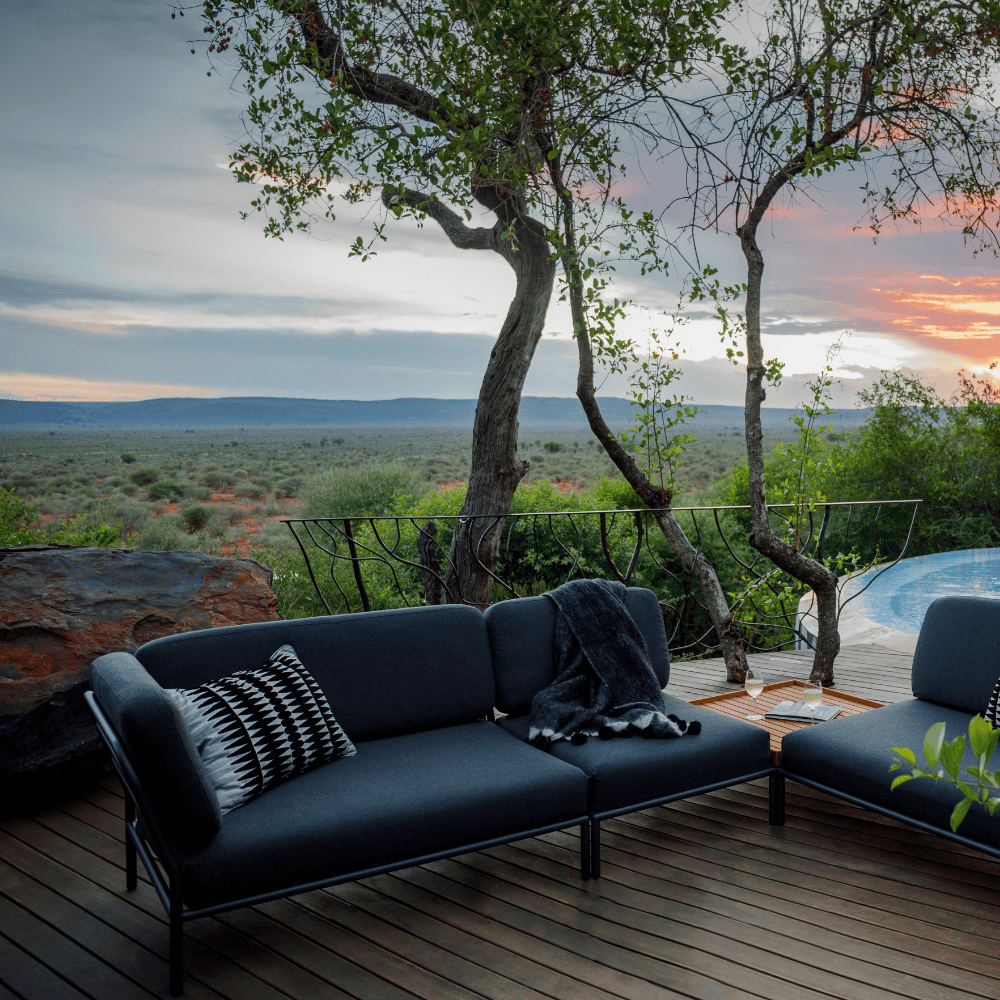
(427, 550)
(496, 469)
(823, 581)
(694, 561)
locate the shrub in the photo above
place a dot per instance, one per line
(165, 490)
(130, 514)
(369, 490)
(163, 535)
(250, 491)
(144, 477)
(195, 518)
(127, 457)
(289, 487)
(553, 446)
(199, 493)
(216, 480)
(224, 515)
(17, 519)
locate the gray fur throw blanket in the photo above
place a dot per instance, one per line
(604, 685)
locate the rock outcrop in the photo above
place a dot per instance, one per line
(62, 607)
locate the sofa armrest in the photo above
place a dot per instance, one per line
(160, 750)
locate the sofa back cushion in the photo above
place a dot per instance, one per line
(160, 747)
(521, 633)
(381, 671)
(957, 659)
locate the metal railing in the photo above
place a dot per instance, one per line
(366, 563)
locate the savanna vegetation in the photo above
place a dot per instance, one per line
(226, 492)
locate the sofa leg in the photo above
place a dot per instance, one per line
(585, 849)
(131, 870)
(595, 848)
(776, 799)
(176, 946)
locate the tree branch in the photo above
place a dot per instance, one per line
(463, 236)
(379, 88)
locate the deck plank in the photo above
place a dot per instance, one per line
(700, 899)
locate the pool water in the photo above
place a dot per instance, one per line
(900, 597)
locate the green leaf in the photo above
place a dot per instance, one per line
(959, 813)
(906, 753)
(932, 744)
(980, 732)
(951, 756)
(902, 779)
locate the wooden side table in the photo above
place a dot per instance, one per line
(738, 705)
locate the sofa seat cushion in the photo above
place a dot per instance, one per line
(401, 797)
(853, 755)
(627, 772)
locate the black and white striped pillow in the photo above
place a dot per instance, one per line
(257, 728)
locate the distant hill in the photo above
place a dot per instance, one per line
(272, 411)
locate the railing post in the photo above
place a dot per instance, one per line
(356, 565)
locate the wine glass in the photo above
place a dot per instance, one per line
(812, 695)
(754, 684)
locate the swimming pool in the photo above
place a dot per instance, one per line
(900, 597)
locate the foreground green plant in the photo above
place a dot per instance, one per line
(944, 761)
(17, 520)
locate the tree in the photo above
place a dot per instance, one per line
(517, 106)
(377, 97)
(902, 90)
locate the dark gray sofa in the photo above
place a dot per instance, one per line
(625, 774)
(432, 778)
(955, 667)
(414, 689)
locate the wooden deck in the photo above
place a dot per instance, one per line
(700, 898)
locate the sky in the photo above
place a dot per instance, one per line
(127, 273)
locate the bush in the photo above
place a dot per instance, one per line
(195, 518)
(130, 514)
(144, 477)
(367, 490)
(163, 535)
(165, 490)
(289, 487)
(249, 491)
(216, 480)
(127, 457)
(222, 516)
(553, 446)
(17, 519)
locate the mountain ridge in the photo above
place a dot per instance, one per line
(280, 411)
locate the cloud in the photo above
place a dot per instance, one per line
(46, 388)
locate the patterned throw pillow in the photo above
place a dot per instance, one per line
(993, 709)
(257, 728)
